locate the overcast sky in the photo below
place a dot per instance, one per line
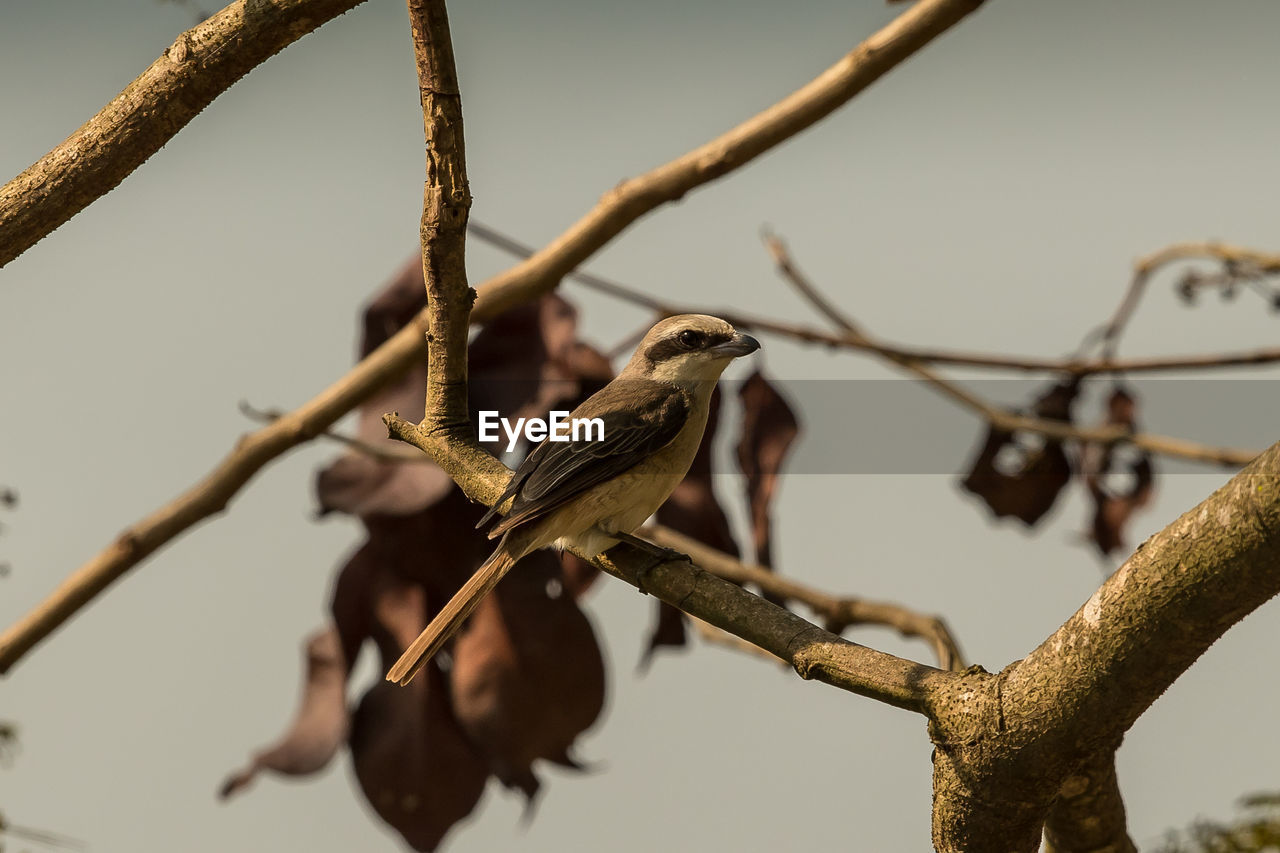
(989, 194)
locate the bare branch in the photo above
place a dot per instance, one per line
(787, 267)
(846, 340)
(836, 613)
(468, 464)
(997, 417)
(195, 69)
(1232, 257)
(389, 453)
(633, 198)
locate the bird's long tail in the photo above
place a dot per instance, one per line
(450, 619)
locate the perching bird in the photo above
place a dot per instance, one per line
(589, 495)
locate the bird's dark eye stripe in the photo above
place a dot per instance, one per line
(684, 341)
(690, 339)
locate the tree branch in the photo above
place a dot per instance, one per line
(836, 613)
(846, 340)
(1089, 816)
(633, 198)
(1261, 263)
(995, 416)
(465, 463)
(1016, 738)
(195, 69)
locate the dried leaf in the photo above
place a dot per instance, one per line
(1113, 506)
(412, 761)
(1013, 475)
(769, 427)
(320, 725)
(356, 483)
(527, 675)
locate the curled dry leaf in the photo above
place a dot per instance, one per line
(769, 428)
(320, 725)
(527, 675)
(1113, 506)
(1018, 478)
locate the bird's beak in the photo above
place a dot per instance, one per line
(738, 345)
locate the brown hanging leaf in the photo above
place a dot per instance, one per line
(769, 427)
(1114, 506)
(693, 510)
(412, 761)
(527, 675)
(1013, 475)
(320, 725)
(356, 483)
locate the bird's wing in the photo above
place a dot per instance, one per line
(640, 418)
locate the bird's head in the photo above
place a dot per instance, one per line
(689, 348)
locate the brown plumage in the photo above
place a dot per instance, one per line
(578, 494)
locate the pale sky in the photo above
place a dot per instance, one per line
(990, 194)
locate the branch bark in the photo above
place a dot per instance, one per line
(1089, 816)
(900, 39)
(1016, 738)
(836, 613)
(202, 64)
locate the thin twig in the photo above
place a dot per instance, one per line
(844, 340)
(1009, 421)
(1263, 263)
(837, 613)
(782, 258)
(389, 453)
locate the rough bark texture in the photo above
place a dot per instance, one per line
(195, 69)
(1088, 816)
(1011, 747)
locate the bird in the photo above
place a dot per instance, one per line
(592, 492)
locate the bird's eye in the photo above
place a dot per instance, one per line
(689, 339)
